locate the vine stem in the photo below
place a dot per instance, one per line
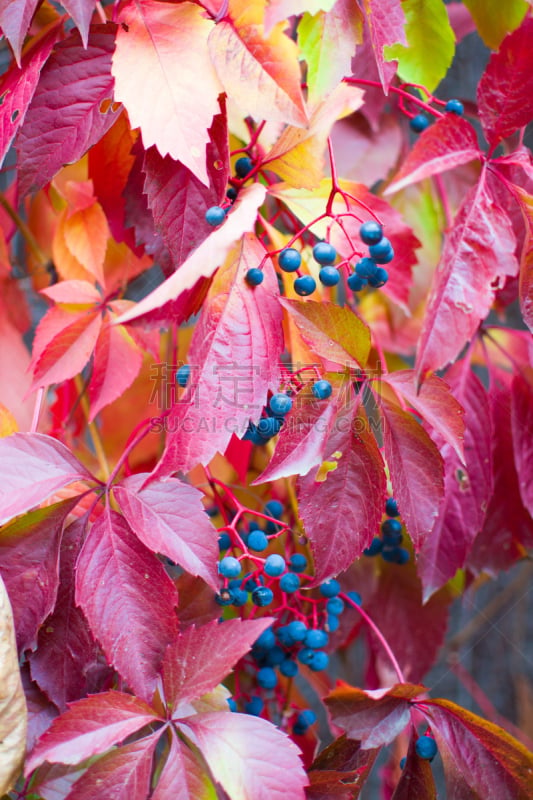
(396, 90)
(371, 624)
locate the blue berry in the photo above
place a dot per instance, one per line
(391, 508)
(392, 531)
(257, 541)
(379, 279)
(330, 588)
(306, 717)
(232, 704)
(332, 623)
(274, 508)
(335, 606)
(229, 567)
(214, 216)
(329, 276)
(288, 668)
(454, 106)
(366, 268)
(232, 193)
(274, 565)
(382, 252)
(355, 597)
(419, 123)
(183, 374)
(280, 404)
(356, 282)
(289, 259)
(315, 638)
(370, 232)
(249, 584)
(253, 435)
(403, 762)
(267, 678)
(322, 389)
(306, 655)
(374, 548)
(275, 656)
(225, 598)
(320, 661)
(426, 747)
(305, 285)
(297, 630)
(224, 541)
(243, 166)
(262, 596)
(284, 636)
(266, 640)
(289, 582)
(402, 555)
(254, 276)
(254, 526)
(324, 253)
(298, 562)
(269, 427)
(254, 706)
(239, 597)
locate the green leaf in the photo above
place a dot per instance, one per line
(494, 19)
(431, 43)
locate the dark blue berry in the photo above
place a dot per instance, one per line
(254, 276)
(214, 216)
(231, 193)
(330, 588)
(243, 166)
(306, 717)
(288, 668)
(419, 123)
(335, 606)
(274, 508)
(391, 508)
(257, 541)
(306, 655)
(454, 106)
(290, 582)
(355, 597)
(316, 638)
(252, 435)
(254, 706)
(183, 374)
(305, 285)
(392, 531)
(329, 276)
(289, 259)
(356, 282)
(225, 598)
(280, 404)
(224, 541)
(267, 678)
(370, 232)
(320, 661)
(266, 640)
(298, 562)
(374, 548)
(426, 747)
(389, 553)
(379, 279)
(382, 252)
(262, 596)
(269, 427)
(284, 636)
(254, 526)
(366, 268)
(274, 565)
(232, 704)
(275, 656)
(402, 555)
(324, 253)
(403, 762)
(322, 389)
(239, 597)
(229, 567)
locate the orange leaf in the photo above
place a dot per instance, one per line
(86, 233)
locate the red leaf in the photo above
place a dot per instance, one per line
(505, 91)
(29, 555)
(479, 250)
(169, 518)
(32, 467)
(241, 750)
(416, 469)
(376, 717)
(158, 82)
(526, 262)
(522, 426)
(117, 361)
(65, 116)
(66, 649)
(18, 86)
(206, 259)
(340, 770)
(467, 488)
(342, 513)
(447, 143)
(201, 657)
(128, 600)
(386, 22)
(73, 292)
(15, 19)
(478, 754)
(234, 355)
(91, 726)
(182, 778)
(416, 781)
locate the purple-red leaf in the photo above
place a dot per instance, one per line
(91, 726)
(169, 518)
(340, 771)
(416, 781)
(128, 599)
(522, 425)
(478, 253)
(342, 511)
(451, 141)
(386, 21)
(71, 108)
(505, 91)
(32, 467)
(200, 658)
(15, 19)
(248, 756)
(376, 717)
(182, 777)
(81, 12)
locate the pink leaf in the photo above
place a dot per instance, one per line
(447, 143)
(434, 402)
(64, 342)
(201, 657)
(158, 82)
(385, 22)
(342, 513)
(29, 556)
(522, 426)
(467, 489)
(505, 91)
(526, 261)
(478, 252)
(91, 726)
(15, 19)
(81, 12)
(73, 292)
(32, 467)
(182, 777)
(169, 518)
(234, 355)
(376, 717)
(206, 259)
(416, 470)
(241, 750)
(18, 86)
(117, 361)
(66, 115)
(128, 600)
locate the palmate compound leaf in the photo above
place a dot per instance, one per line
(128, 599)
(248, 756)
(234, 357)
(182, 776)
(32, 467)
(13, 712)
(71, 108)
(169, 518)
(341, 511)
(480, 759)
(479, 252)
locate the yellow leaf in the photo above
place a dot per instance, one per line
(8, 423)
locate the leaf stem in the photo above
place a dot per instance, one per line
(93, 430)
(27, 235)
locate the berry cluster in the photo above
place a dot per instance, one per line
(272, 419)
(215, 215)
(389, 544)
(324, 253)
(420, 122)
(367, 271)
